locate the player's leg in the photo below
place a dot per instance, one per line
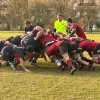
(63, 49)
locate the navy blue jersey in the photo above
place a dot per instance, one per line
(7, 52)
(1, 45)
(16, 40)
(19, 50)
(29, 29)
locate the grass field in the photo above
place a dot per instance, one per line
(47, 82)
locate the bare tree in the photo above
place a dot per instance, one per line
(17, 12)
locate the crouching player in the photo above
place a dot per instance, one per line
(75, 29)
(76, 53)
(54, 46)
(13, 55)
(93, 49)
(33, 47)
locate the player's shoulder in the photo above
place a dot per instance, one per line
(64, 21)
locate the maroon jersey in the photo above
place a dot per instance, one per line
(46, 39)
(51, 43)
(88, 45)
(79, 31)
(34, 33)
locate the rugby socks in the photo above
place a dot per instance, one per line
(57, 62)
(71, 66)
(12, 66)
(30, 56)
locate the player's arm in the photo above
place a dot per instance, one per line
(72, 32)
(55, 26)
(67, 27)
(25, 32)
(39, 34)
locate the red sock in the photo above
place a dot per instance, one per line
(17, 58)
(30, 56)
(69, 62)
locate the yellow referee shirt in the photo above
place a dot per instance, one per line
(61, 26)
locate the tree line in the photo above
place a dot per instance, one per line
(18, 11)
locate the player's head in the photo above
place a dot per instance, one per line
(38, 28)
(28, 23)
(60, 16)
(70, 20)
(8, 43)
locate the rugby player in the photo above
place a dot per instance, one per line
(75, 29)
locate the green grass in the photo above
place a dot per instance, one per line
(47, 82)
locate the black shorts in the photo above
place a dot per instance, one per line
(35, 46)
(67, 47)
(64, 47)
